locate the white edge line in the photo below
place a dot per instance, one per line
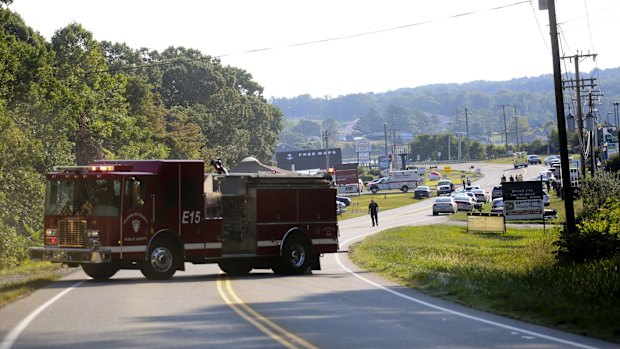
(453, 312)
(10, 338)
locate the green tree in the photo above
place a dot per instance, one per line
(371, 122)
(92, 102)
(308, 128)
(189, 77)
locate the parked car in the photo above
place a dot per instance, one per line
(422, 191)
(444, 205)
(465, 203)
(550, 213)
(497, 205)
(345, 200)
(481, 195)
(540, 177)
(550, 158)
(549, 174)
(464, 192)
(534, 159)
(496, 192)
(546, 200)
(340, 207)
(445, 186)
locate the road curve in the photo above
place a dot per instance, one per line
(340, 306)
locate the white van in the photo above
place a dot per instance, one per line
(403, 180)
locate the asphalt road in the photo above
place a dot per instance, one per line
(340, 306)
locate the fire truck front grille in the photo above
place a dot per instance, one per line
(71, 233)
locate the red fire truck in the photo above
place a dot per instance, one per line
(155, 215)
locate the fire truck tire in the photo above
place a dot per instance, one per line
(295, 257)
(100, 271)
(235, 268)
(161, 262)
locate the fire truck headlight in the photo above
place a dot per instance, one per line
(92, 233)
(51, 232)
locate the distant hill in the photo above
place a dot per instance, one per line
(534, 98)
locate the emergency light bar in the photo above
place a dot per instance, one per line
(92, 168)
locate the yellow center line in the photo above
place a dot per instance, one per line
(268, 327)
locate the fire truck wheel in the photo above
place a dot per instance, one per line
(161, 262)
(295, 257)
(235, 268)
(100, 271)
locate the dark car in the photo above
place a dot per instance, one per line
(345, 200)
(534, 159)
(496, 192)
(422, 191)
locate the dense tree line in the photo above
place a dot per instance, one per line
(523, 107)
(75, 99)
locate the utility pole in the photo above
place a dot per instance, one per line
(326, 150)
(517, 128)
(578, 85)
(616, 116)
(394, 145)
(571, 225)
(505, 129)
(593, 130)
(458, 127)
(385, 136)
(467, 133)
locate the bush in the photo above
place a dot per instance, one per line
(598, 229)
(613, 163)
(598, 191)
(13, 248)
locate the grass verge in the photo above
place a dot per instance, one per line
(21, 281)
(514, 275)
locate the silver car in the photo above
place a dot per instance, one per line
(444, 204)
(465, 202)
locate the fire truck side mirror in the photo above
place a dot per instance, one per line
(219, 167)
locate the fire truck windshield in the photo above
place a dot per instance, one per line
(83, 197)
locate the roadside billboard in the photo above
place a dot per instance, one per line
(346, 174)
(309, 159)
(523, 200)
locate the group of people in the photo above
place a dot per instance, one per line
(466, 182)
(518, 178)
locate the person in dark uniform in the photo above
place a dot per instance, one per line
(373, 209)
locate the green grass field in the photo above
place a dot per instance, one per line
(513, 275)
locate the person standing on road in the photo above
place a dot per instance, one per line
(373, 209)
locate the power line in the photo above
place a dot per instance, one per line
(538, 25)
(319, 41)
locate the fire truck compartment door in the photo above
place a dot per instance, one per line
(238, 224)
